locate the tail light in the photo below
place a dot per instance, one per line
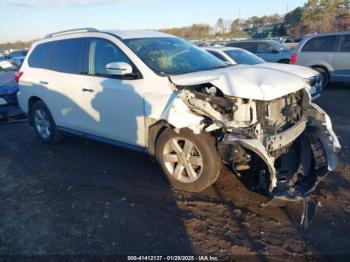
(293, 58)
(18, 76)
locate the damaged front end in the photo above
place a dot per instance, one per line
(282, 148)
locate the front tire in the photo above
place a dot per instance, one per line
(44, 125)
(190, 162)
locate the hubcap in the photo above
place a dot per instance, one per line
(183, 159)
(42, 123)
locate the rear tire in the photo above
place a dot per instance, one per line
(324, 74)
(44, 125)
(190, 162)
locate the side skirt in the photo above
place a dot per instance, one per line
(139, 149)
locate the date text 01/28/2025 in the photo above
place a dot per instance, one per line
(173, 258)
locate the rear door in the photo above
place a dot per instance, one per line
(341, 59)
(62, 85)
(267, 52)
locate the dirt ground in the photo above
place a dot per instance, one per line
(84, 198)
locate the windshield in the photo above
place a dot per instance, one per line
(173, 56)
(280, 46)
(244, 57)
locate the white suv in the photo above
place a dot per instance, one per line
(152, 91)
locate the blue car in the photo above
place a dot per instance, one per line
(269, 50)
(8, 89)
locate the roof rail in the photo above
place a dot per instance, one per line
(70, 31)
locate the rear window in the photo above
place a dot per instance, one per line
(67, 56)
(320, 44)
(345, 43)
(39, 58)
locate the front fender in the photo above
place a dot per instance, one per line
(178, 115)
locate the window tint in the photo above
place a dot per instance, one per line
(67, 56)
(264, 48)
(345, 43)
(103, 52)
(218, 55)
(251, 47)
(39, 58)
(320, 44)
(19, 53)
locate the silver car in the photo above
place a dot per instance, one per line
(269, 50)
(328, 53)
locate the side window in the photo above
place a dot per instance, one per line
(39, 58)
(320, 44)
(218, 55)
(103, 52)
(263, 48)
(251, 47)
(67, 56)
(345, 43)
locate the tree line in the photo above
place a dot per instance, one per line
(315, 16)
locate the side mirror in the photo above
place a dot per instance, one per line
(119, 68)
(275, 51)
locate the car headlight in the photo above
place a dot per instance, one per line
(2, 102)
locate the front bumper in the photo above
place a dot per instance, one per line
(317, 146)
(9, 106)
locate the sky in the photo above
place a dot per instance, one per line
(32, 19)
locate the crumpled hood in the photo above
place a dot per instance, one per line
(8, 84)
(245, 81)
(302, 71)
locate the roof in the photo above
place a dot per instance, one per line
(255, 40)
(122, 34)
(326, 34)
(132, 34)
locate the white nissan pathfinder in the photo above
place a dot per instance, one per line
(155, 92)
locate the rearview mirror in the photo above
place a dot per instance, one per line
(119, 68)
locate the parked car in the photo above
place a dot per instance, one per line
(269, 50)
(17, 57)
(233, 56)
(152, 91)
(8, 90)
(328, 53)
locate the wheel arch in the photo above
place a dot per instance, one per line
(32, 100)
(154, 131)
(324, 67)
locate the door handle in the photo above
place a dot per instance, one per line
(88, 90)
(43, 82)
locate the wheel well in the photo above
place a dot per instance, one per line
(31, 102)
(154, 131)
(320, 66)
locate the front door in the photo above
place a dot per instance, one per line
(115, 104)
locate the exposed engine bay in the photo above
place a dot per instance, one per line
(282, 148)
